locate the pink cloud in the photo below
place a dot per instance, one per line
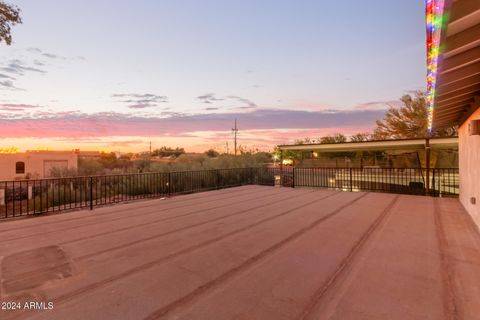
(16, 107)
(79, 125)
(273, 137)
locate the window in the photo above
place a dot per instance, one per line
(20, 167)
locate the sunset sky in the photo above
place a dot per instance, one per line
(114, 75)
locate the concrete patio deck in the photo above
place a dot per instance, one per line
(246, 253)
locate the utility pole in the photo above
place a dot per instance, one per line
(235, 130)
(150, 148)
(227, 146)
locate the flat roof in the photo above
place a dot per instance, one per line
(457, 90)
(415, 144)
(247, 253)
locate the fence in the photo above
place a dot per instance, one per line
(441, 181)
(25, 197)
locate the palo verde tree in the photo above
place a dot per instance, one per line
(408, 121)
(405, 122)
(9, 16)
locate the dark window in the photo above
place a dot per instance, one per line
(20, 167)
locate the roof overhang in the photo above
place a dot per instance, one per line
(407, 144)
(457, 87)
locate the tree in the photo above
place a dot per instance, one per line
(9, 16)
(168, 152)
(142, 165)
(124, 162)
(212, 153)
(9, 150)
(359, 137)
(336, 138)
(87, 167)
(108, 160)
(408, 121)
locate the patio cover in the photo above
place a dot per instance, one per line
(457, 90)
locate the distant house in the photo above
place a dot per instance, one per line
(89, 154)
(35, 164)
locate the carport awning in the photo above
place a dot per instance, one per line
(410, 144)
(457, 90)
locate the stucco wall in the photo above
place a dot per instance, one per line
(469, 164)
(34, 163)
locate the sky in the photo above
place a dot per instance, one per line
(115, 75)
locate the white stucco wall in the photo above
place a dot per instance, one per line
(36, 163)
(469, 164)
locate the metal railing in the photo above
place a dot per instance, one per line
(441, 181)
(24, 197)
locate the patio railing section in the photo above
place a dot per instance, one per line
(24, 197)
(441, 181)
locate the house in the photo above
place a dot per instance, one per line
(35, 164)
(453, 46)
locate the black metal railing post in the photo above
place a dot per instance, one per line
(432, 189)
(91, 193)
(169, 183)
(293, 177)
(351, 181)
(33, 197)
